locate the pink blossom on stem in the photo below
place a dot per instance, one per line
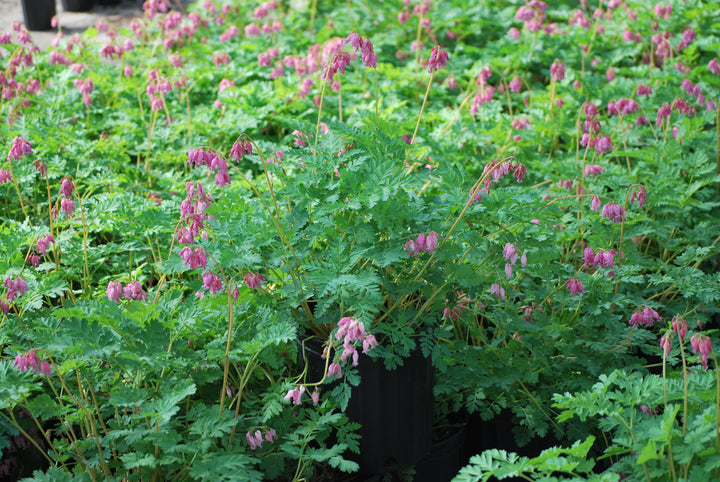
(438, 59)
(114, 291)
(212, 282)
(701, 343)
(498, 291)
(133, 291)
(20, 147)
(592, 170)
(557, 70)
(255, 440)
(645, 316)
(574, 286)
(515, 85)
(613, 212)
(253, 280)
(679, 326)
(714, 66)
(335, 370)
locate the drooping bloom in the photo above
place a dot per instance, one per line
(114, 291)
(666, 343)
(498, 291)
(20, 147)
(701, 343)
(679, 326)
(595, 203)
(255, 440)
(295, 395)
(646, 316)
(613, 212)
(133, 291)
(574, 286)
(438, 59)
(557, 70)
(253, 280)
(212, 282)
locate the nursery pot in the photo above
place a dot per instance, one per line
(77, 5)
(394, 409)
(38, 14)
(445, 459)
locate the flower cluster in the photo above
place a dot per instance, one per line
(253, 280)
(438, 59)
(496, 170)
(29, 360)
(614, 212)
(425, 243)
(365, 47)
(192, 211)
(200, 157)
(255, 440)
(132, 291)
(20, 147)
(86, 88)
(511, 257)
(574, 286)
(453, 314)
(701, 343)
(679, 326)
(15, 288)
(604, 259)
(67, 205)
(646, 316)
(349, 331)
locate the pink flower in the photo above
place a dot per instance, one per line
(296, 395)
(613, 212)
(45, 369)
(114, 291)
(67, 206)
(20, 147)
(574, 286)
(253, 280)
(498, 291)
(225, 84)
(514, 33)
(315, 396)
(510, 253)
(43, 243)
(271, 435)
(701, 343)
(254, 440)
(133, 291)
(640, 195)
(335, 370)
(714, 67)
(592, 170)
(438, 59)
(67, 187)
(679, 326)
(646, 316)
(369, 343)
(212, 282)
(557, 70)
(5, 176)
(610, 74)
(515, 85)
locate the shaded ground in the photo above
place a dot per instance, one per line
(71, 22)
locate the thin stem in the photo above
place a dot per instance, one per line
(17, 188)
(422, 108)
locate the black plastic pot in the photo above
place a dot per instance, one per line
(38, 14)
(445, 459)
(394, 408)
(77, 5)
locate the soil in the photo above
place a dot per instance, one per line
(117, 15)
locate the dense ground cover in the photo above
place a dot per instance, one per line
(526, 193)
